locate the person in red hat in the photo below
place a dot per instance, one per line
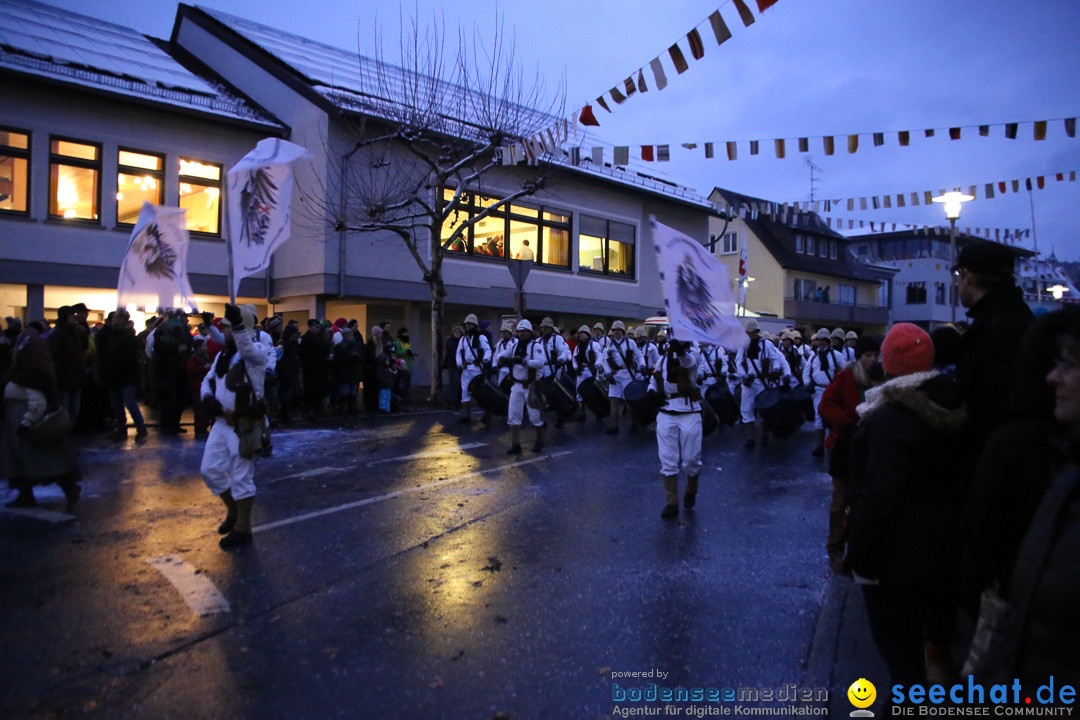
(903, 542)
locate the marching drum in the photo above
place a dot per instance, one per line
(489, 395)
(594, 397)
(781, 410)
(642, 409)
(561, 396)
(723, 403)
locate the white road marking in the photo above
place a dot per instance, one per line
(430, 453)
(399, 493)
(306, 474)
(201, 595)
(40, 514)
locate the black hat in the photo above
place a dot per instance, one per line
(987, 258)
(865, 344)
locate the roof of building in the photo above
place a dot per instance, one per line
(778, 237)
(942, 234)
(352, 82)
(50, 43)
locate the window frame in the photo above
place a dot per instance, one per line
(70, 161)
(916, 293)
(20, 154)
(204, 182)
(734, 247)
(473, 203)
(158, 175)
(844, 289)
(800, 244)
(605, 253)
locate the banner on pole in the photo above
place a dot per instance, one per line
(697, 291)
(260, 194)
(154, 271)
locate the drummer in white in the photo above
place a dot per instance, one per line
(757, 363)
(621, 363)
(818, 372)
(525, 358)
(678, 425)
(473, 351)
(556, 353)
(586, 355)
(500, 349)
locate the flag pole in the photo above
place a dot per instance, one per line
(231, 270)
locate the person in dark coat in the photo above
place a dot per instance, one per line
(68, 353)
(346, 372)
(315, 368)
(452, 381)
(373, 352)
(119, 373)
(288, 370)
(903, 541)
(172, 344)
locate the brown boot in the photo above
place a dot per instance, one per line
(690, 496)
(240, 535)
(230, 513)
(671, 490)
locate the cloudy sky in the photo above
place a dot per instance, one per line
(806, 68)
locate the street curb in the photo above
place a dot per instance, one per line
(821, 659)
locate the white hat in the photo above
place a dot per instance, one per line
(250, 315)
(752, 326)
(585, 329)
(851, 335)
(822, 334)
(641, 333)
(547, 322)
(838, 333)
(795, 334)
(524, 325)
(618, 325)
(508, 326)
(471, 318)
(598, 326)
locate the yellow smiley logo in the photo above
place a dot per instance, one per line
(862, 693)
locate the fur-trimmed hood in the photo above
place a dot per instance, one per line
(908, 392)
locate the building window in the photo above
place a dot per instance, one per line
(811, 245)
(140, 178)
(200, 195)
(511, 232)
(846, 294)
(605, 246)
(883, 295)
(74, 179)
(832, 250)
(800, 244)
(916, 293)
(939, 293)
(805, 289)
(729, 243)
(14, 171)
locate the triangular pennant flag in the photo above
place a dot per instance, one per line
(744, 13)
(641, 86)
(709, 151)
(905, 137)
(630, 85)
(764, 5)
(603, 103)
(622, 155)
(697, 49)
(780, 150)
(804, 144)
(732, 151)
(1040, 129)
(852, 143)
(1010, 130)
(719, 28)
(954, 133)
(677, 59)
(829, 143)
(658, 73)
(1070, 127)
(647, 153)
(617, 96)
(663, 153)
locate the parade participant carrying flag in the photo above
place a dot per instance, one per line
(260, 193)
(154, 271)
(697, 291)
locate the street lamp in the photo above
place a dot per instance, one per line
(952, 201)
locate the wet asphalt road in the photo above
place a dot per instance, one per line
(404, 568)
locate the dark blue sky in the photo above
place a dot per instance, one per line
(806, 68)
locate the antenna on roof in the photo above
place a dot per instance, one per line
(813, 168)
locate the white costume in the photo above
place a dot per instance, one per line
(818, 372)
(524, 374)
(769, 361)
(472, 352)
(498, 352)
(613, 362)
(222, 467)
(678, 426)
(650, 354)
(713, 366)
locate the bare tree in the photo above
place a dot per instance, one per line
(427, 132)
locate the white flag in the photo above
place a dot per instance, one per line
(260, 193)
(697, 292)
(154, 271)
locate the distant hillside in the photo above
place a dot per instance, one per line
(1072, 269)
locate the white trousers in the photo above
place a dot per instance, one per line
(749, 395)
(616, 386)
(223, 468)
(518, 394)
(818, 392)
(467, 374)
(679, 437)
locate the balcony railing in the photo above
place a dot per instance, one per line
(834, 312)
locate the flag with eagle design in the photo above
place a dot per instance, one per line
(154, 271)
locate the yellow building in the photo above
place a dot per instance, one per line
(799, 269)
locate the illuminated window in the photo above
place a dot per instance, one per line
(503, 233)
(140, 178)
(605, 246)
(74, 179)
(200, 195)
(14, 171)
